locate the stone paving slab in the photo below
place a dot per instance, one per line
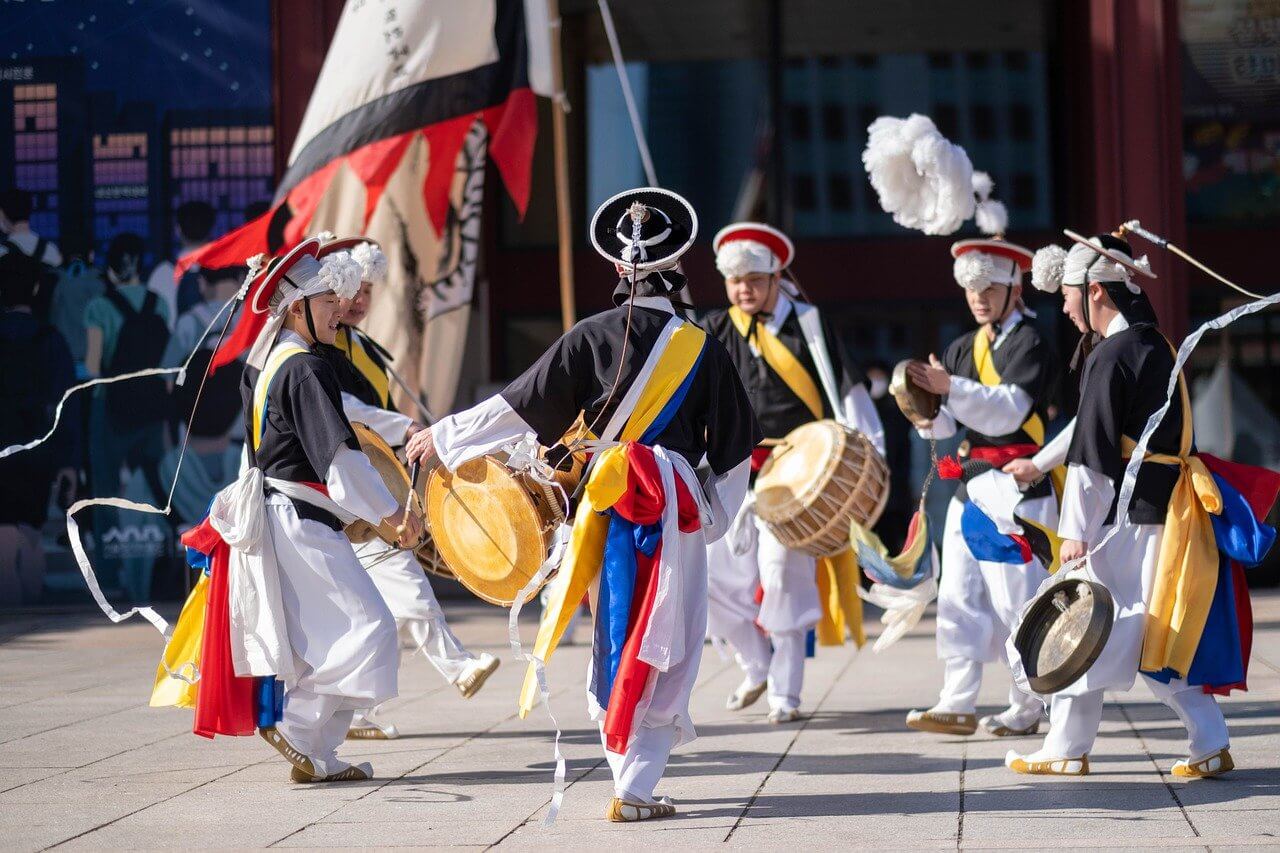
(85, 764)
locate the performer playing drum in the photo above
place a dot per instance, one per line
(796, 370)
(1176, 620)
(360, 365)
(661, 395)
(995, 382)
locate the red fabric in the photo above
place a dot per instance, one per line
(1017, 254)
(513, 130)
(224, 702)
(1023, 544)
(949, 468)
(1000, 456)
(758, 455)
(231, 249)
(444, 141)
(304, 199)
(1260, 487)
(643, 503)
(374, 164)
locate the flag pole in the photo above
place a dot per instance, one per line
(560, 139)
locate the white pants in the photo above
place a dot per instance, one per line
(978, 604)
(1074, 720)
(405, 588)
(636, 772)
(790, 608)
(342, 635)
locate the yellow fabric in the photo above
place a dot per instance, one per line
(349, 342)
(1055, 543)
(182, 651)
(841, 605)
(783, 361)
(605, 485)
(904, 565)
(269, 370)
(988, 375)
(1187, 564)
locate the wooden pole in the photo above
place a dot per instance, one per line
(560, 139)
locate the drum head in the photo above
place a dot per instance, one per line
(1063, 633)
(394, 477)
(487, 528)
(797, 469)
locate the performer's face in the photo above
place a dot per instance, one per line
(356, 309)
(753, 292)
(1073, 307)
(326, 312)
(988, 305)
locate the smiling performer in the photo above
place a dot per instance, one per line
(661, 394)
(360, 365)
(1180, 601)
(796, 370)
(288, 602)
(995, 382)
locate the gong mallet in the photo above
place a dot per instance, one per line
(1135, 227)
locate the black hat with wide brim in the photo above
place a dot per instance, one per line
(667, 228)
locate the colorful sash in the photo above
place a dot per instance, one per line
(349, 342)
(615, 537)
(837, 577)
(276, 361)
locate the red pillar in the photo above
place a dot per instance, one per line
(1135, 146)
(300, 34)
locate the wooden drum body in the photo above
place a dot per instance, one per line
(394, 477)
(494, 527)
(821, 477)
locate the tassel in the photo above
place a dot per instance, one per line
(949, 468)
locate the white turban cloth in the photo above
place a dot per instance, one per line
(977, 271)
(741, 258)
(1084, 262)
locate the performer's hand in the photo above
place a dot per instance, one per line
(412, 429)
(932, 376)
(1023, 470)
(409, 525)
(1072, 550)
(421, 447)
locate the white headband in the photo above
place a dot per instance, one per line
(1083, 263)
(306, 277)
(373, 263)
(739, 258)
(977, 271)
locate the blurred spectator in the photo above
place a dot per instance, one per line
(195, 223)
(126, 330)
(15, 226)
(35, 369)
(78, 283)
(217, 287)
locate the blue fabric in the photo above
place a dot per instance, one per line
(663, 420)
(811, 643)
(879, 570)
(268, 701)
(1218, 661)
(985, 540)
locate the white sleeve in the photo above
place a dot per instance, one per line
(485, 427)
(1054, 453)
(355, 486)
(860, 414)
(725, 493)
(989, 409)
(389, 424)
(943, 426)
(1086, 498)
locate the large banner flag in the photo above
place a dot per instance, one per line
(414, 97)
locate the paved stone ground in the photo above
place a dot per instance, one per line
(85, 764)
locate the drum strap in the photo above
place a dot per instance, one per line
(984, 362)
(260, 390)
(782, 360)
(353, 344)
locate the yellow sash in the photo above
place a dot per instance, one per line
(989, 376)
(182, 651)
(349, 342)
(1187, 565)
(783, 361)
(605, 485)
(837, 576)
(269, 370)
